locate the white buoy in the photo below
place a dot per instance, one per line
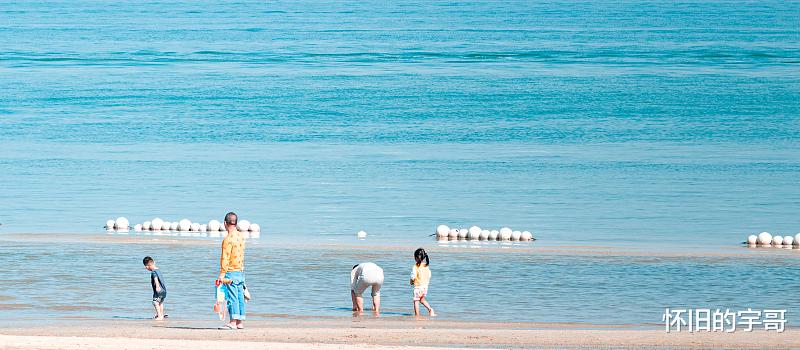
(137, 227)
(764, 238)
(462, 233)
(453, 234)
(752, 239)
(255, 234)
(255, 228)
(156, 224)
(194, 227)
(442, 231)
(474, 232)
(516, 235)
(146, 226)
(243, 225)
(484, 235)
(777, 240)
(109, 224)
(361, 234)
(788, 240)
(184, 225)
(173, 226)
(505, 234)
(797, 239)
(166, 226)
(213, 225)
(493, 235)
(203, 228)
(121, 223)
(526, 236)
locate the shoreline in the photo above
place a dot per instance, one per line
(370, 333)
(733, 250)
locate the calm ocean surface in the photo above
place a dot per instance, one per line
(644, 124)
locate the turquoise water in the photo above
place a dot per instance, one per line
(650, 124)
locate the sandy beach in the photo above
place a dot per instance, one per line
(370, 333)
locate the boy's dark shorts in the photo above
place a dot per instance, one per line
(158, 299)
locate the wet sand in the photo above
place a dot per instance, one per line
(371, 333)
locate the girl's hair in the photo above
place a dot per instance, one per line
(420, 255)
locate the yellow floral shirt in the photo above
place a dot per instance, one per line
(232, 253)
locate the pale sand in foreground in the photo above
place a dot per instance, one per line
(370, 334)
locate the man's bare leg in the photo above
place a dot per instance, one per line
(376, 305)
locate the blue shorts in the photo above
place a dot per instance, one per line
(158, 298)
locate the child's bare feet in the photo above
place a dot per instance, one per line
(433, 314)
(157, 318)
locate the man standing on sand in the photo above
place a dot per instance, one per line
(231, 273)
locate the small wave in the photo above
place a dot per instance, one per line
(627, 56)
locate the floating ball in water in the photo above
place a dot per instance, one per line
(493, 235)
(146, 226)
(166, 226)
(484, 235)
(194, 227)
(361, 234)
(203, 228)
(156, 224)
(788, 240)
(505, 233)
(213, 225)
(243, 225)
(184, 225)
(121, 223)
(442, 231)
(777, 240)
(526, 236)
(797, 239)
(173, 226)
(764, 238)
(137, 227)
(255, 228)
(474, 232)
(109, 224)
(516, 235)
(453, 234)
(462, 233)
(752, 239)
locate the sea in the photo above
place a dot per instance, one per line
(646, 126)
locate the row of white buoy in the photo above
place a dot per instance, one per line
(765, 239)
(213, 227)
(476, 233)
